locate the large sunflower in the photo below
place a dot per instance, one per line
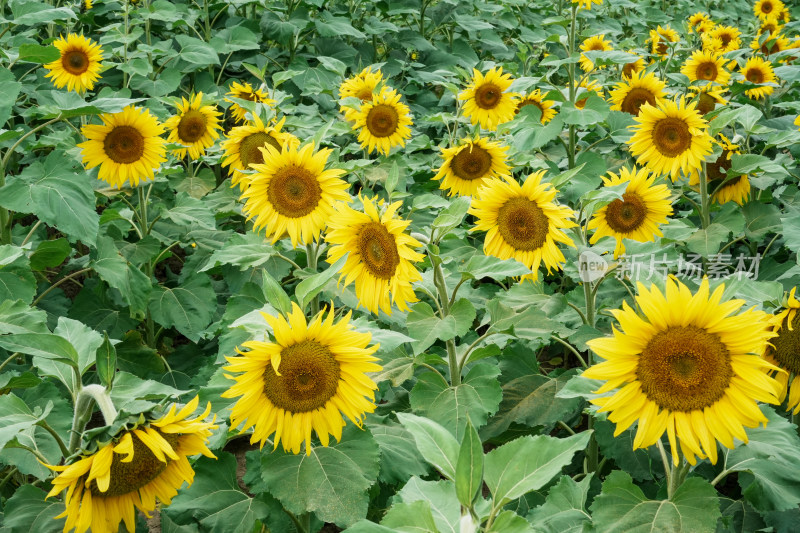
(725, 188)
(670, 138)
(486, 100)
(242, 147)
(767, 8)
(707, 67)
(722, 39)
(637, 216)
(686, 365)
(522, 222)
(306, 380)
(707, 97)
(630, 94)
(126, 147)
(661, 38)
(79, 65)
(137, 467)
(784, 351)
(245, 91)
(537, 98)
(758, 71)
(360, 86)
(383, 122)
(195, 126)
(596, 43)
(381, 255)
(291, 192)
(468, 165)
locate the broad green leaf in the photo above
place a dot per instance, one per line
(509, 522)
(83, 338)
(134, 395)
(791, 229)
(435, 443)
(528, 463)
(189, 308)
(331, 26)
(8, 96)
(425, 327)
(487, 266)
(197, 186)
(274, 293)
(738, 516)
(469, 467)
(463, 311)
(28, 512)
(191, 213)
(50, 254)
(642, 463)
(400, 458)
(761, 219)
(106, 362)
(71, 104)
(16, 416)
(564, 511)
(234, 39)
(310, 287)
(18, 317)
(33, 13)
(451, 216)
(36, 53)
(45, 345)
(196, 52)
(441, 496)
(247, 251)
(707, 242)
(411, 517)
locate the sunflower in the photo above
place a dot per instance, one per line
(381, 255)
(597, 43)
(770, 44)
(291, 192)
(707, 97)
(383, 123)
(634, 66)
(486, 101)
(770, 25)
(470, 164)
(725, 188)
(687, 365)
(584, 89)
(784, 351)
(767, 8)
(306, 380)
(670, 138)
(137, 467)
(245, 91)
(637, 216)
(758, 71)
(537, 98)
(660, 39)
(127, 147)
(242, 147)
(79, 65)
(195, 125)
(86, 5)
(797, 121)
(707, 67)
(587, 4)
(697, 21)
(629, 95)
(722, 39)
(360, 86)
(522, 222)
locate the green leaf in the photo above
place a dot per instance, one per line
(198, 185)
(85, 340)
(331, 481)
(16, 416)
(410, 517)
(36, 53)
(441, 496)
(189, 308)
(528, 463)
(28, 512)
(274, 293)
(191, 212)
(247, 251)
(18, 317)
(32, 13)
(564, 511)
(622, 506)
(133, 394)
(196, 52)
(331, 26)
(70, 104)
(791, 229)
(761, 219)
(451, 216)
(234, 39)
(509, 522)
(594, 111)
(464, 313)
(50, 254)
(311, 286)
(46, 345)
(400, 458)
(487, 266)
(469, 468)
(434, 442)
(134, 286)
(106, 361)
(425, 327)
(640, 463)
(706, 242)
(9, 94)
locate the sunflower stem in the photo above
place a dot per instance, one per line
(705, 218)
(143, 211)
(311, 253)
(572, 88)
(589, 295)
(86, 398)
(444, 305)
(678, 475)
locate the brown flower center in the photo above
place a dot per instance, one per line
(294, 191)
(471, 163)
(124, 145)
(627, 214)
(364, 94)
(706, 71)
(488, 96)
(76, 62)
(766, 7)
(705, 103)
(717, 171)
(754, 75)
(671, 136)
(523, 224)
(192, 126)
(309, 377)
(249, 152)
(378, 250)
(725, 38)
(382, 120)
(787, 346)
(629, 69)
(635, 99)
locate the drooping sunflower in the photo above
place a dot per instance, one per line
(758, 71)
(670, 138)
(79, 65)
(537, 98)
(722, 39)
(383, 123)
(242, 147)
(596, 43)
(687, 365)
(637, 216)
(139, 466)
(486, 100)
(766, 8)
(770, 44)
(696, 21)
(291, 192)
(126, 147)
(522, 221)
(587, 4)
(245, 91)
(707, 67)
(660, 39)
(381, 255)
(634, 66)
(360, 86)
(707, 97)
(195, 126)
(309, 378)
(641, 88)
(725, 188)
(467, 166)
(784, 351)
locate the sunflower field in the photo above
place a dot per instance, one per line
(463, 266)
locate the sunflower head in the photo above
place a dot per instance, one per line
(661, 38)
(584, 90)
(537, 98)
(725, 188)
(78, 68)
(362, 85)
(383, 122)
(764, 9)
(707, 97)
(697, 21)
(706, 67)
(596, 43)
(758, 71)
(486, 100)
(587, 4)
(784, 350)
(770, 44)
(245, 91)
(634, 66)
(772, 25)
(467, 166)
(243, 147)
(196, 126)
(640, 88)
(722, 39)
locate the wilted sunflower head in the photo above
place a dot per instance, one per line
(78, 68)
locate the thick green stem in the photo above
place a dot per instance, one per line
(444, 305)
(705, 217)
(678, 475)
(588, 295)
(592, 451)
(311, 253)
(87, 397)
(143, 222)
(573, 89)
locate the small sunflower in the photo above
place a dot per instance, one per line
(537, 98)
(688, 366)
(670, 138)
(725, 188)
(126, 147)
(584, 89)
(381, 255)
(242, 147)
(784, 351)
(770, 44)
(661, 38)
(758, 71)
(195, 126)
(706, 67)
(470, 164)
(767, 8)
(637, 216)
(86, 5)
(307, 380)
(138, 467)
(245, 91)
(797, 121)
(596, 43)
(79, 65)
(722, 39)
(522, 222)
(383, 123)
(634, 66)
(771, 25)
(486, 101)
(707, 97)
(361, 86)
(697, 21)
(587, 4)
(629, 95)
(291, 192)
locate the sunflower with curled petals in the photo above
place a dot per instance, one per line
(536, 98)
(468, 165)
(127, 147)
(383, 122)
(381, 255)
(687, 364)
(638, 215)
(195, 126)
(311, 377)
(725, 188)
(596, 43)
(361, 86)
(139, 466)
(78, 68)
(632, 93)
(706, 67)
(660, 40)
(522, 222)
(486, 99)
(242, 147)
(245, 91)
(670, 138)
(784, 351)
(707, 97)
(758, 71)
(292, 193)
